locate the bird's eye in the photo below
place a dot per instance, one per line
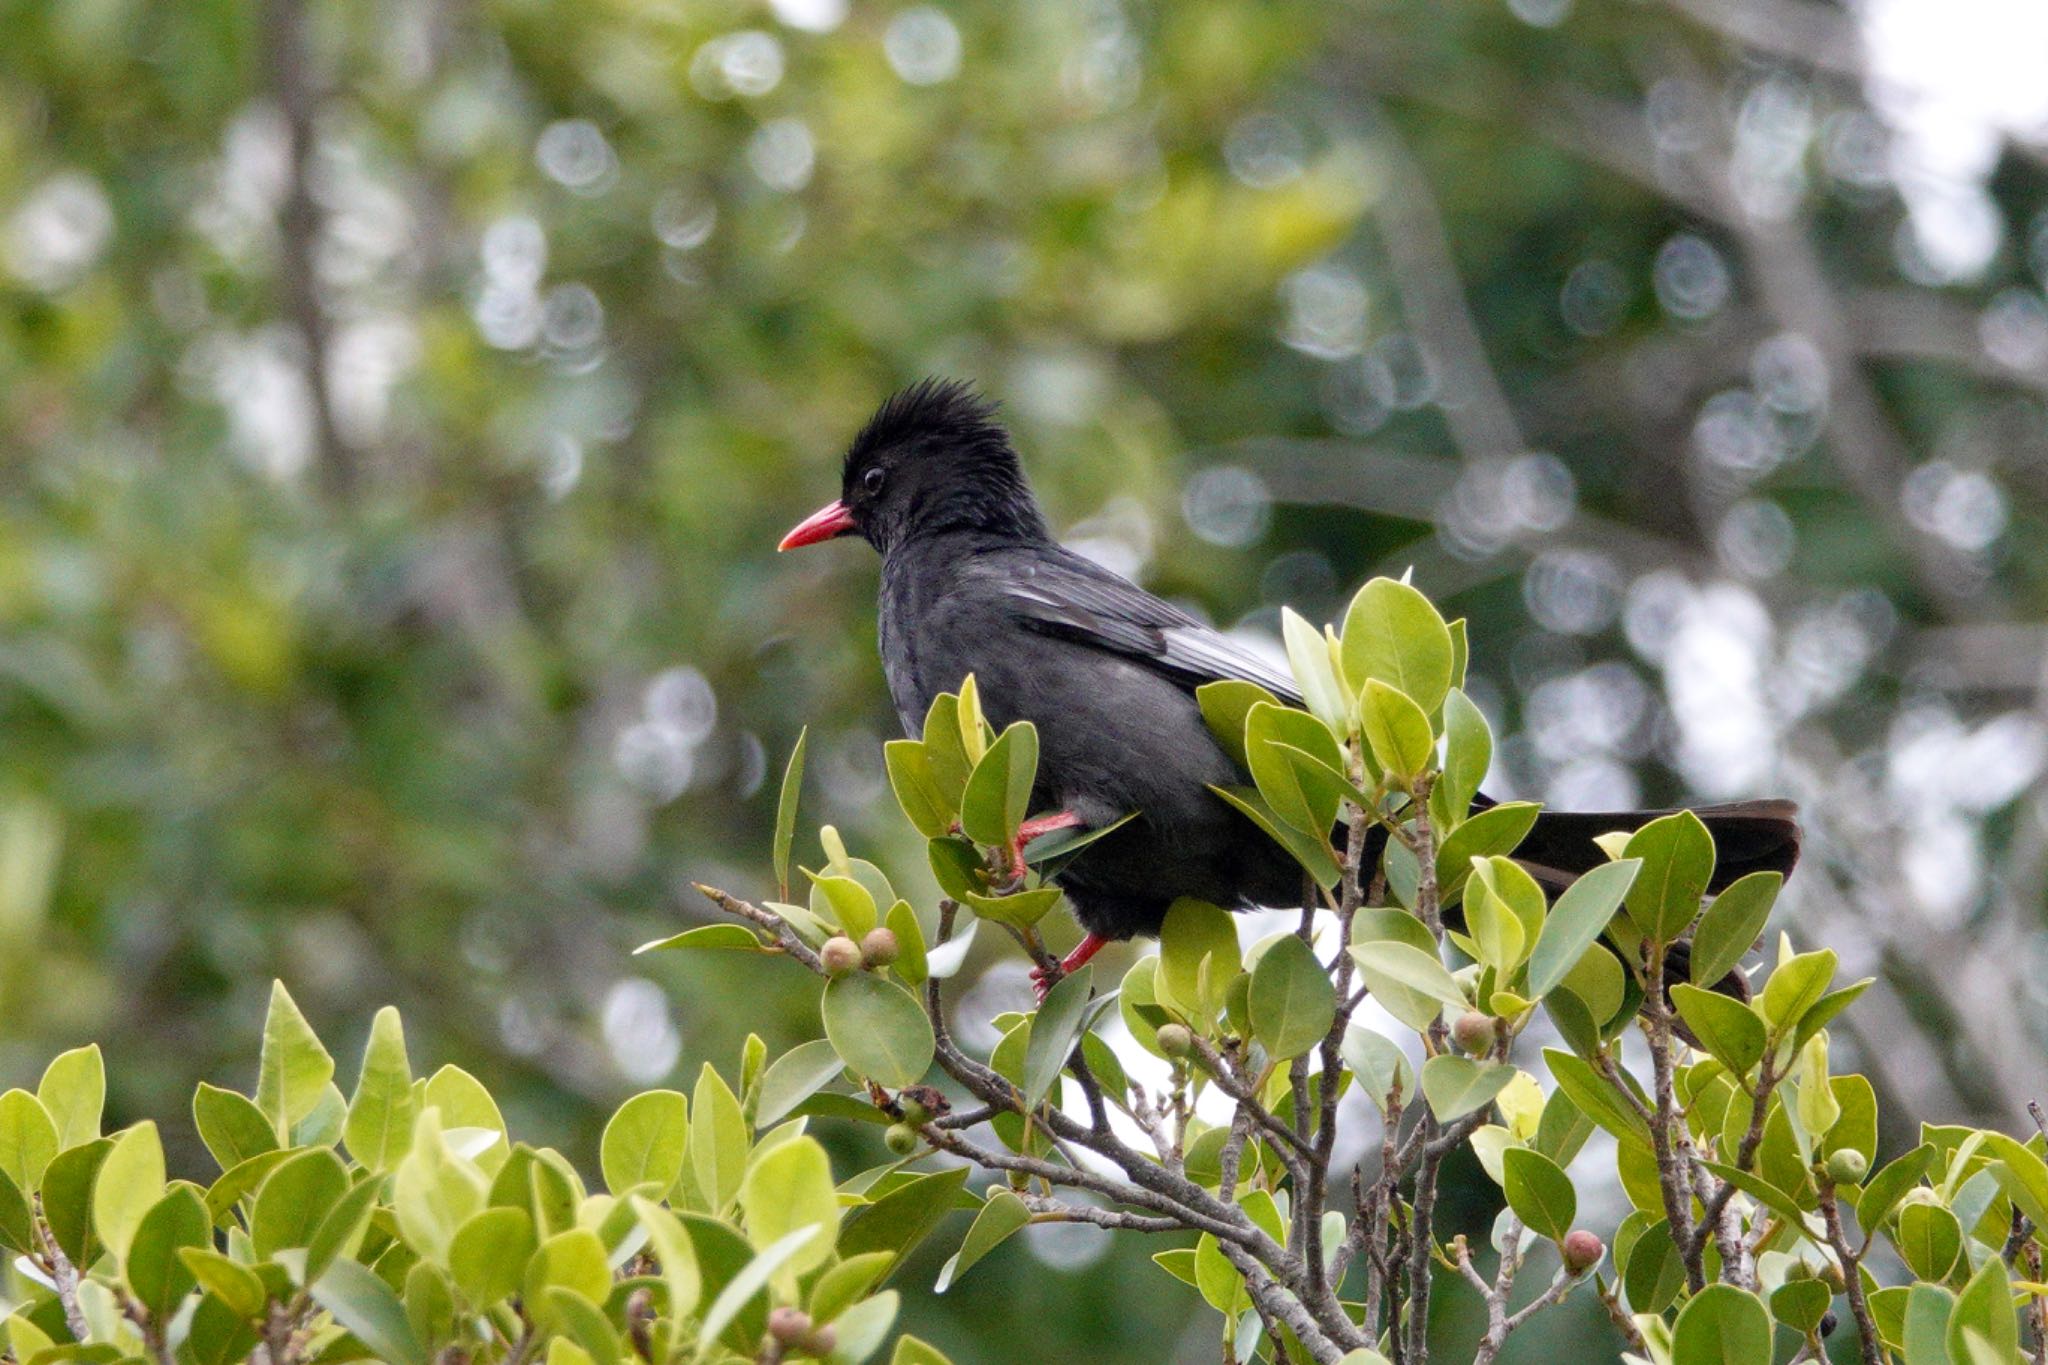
(872, 480)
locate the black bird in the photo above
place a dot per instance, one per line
(972, 582)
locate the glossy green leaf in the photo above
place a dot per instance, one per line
(794, 1077)
(789, 1189)
(1225, 706)
(1312, 852)
(1928, 1239)
(676, 1251)
(1396, 729)
(1292, 1001)
(291, 1202)
(718, 1140)
(645, 1142)
(917, 790)
(1393, 633)
(130, 1182)
(1054, 1030)
(1002, 1215)
(1796, 986)
(1407, 981)
(1455, 1086)
(1539, 1192)
(157, 1275)
(753, 1278)
(1304, 794)
(231, 1126)
(1728, 1029)
(1379, 1065)
(1732, 924)
(1595, 1097)
(1722, 1325)
(1982, 1328)
(878, 1028)
(228, 1280)
(367, 1307)
(1677, 856)
(28, 1139)
(1576, 921)
(1494, 832)
(785, 810)
(998, 794)
(730, 937)
(1194, 932)
(1468, 750)
(1315, 672)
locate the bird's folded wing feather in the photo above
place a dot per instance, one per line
(1072, 598)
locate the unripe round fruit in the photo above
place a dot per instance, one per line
(879, 948)
(1475, 1032)
(1176, 1040)
(901, 1139)
(1831, 1275)
(1798, 1270)
(823, 1340)
(1848, 1166)
(789, 1325)
(1919, 1194)
(840, 955)
(1582, 1251)
(913, 1110)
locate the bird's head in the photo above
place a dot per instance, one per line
(932, 459)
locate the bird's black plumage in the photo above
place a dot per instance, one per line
(973, 582)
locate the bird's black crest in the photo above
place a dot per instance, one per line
(945, 412)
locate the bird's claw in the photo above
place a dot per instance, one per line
(1043, 979)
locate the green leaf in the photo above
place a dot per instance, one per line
(1576, 922)
(465, 1103)
(706, 936)
(341, 1232)
(1455, 1086)
(1312, 852)
(1379, 1064)
(488, 1254)
(793, 1078)
(1225, 705)
(67, 1198)
(1722, 1325)
(998, 794)
(645, 1142)
(293, 1199)
(911, 962)
(1924, 1333)
(911, 1351)
(1801, 1304)
(228, 1280)
(1396, 730)
(1493, 833)
(130, 1182)
(28, 1139)
(1410, 984)
(1655, 1270)
(1929, 1239)
(1728, 1029)
(676, 1250)
(1315, 672)
(367, 1307)
(1468, 750)
(1053, 1031)
(1677, 854)
(1732, 924)
(231, 1126)
(718, 1139)
(1983, 1328)
(73, 1092)
(156, 1273)
(573, 1260)
(1494, 934)
(1539, 1192)
(789, 1189)
(1883, 1191)
(1393, 634)
(863, 1328)
(16, 1222)
(1003, 1214)
(917, 790)
(1595, 1098)
(380, 1117)
(905, 1216)
(851, 904)
(293, 1068)
(878, 1028)
(785, 810)
(1292, 1001)
(1194, 932)
(1796, 987)
(1303, 794)
(751, 1279)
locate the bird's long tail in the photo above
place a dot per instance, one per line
(1749, 836)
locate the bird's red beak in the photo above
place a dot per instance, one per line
(833, 519)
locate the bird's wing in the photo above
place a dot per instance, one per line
(1076, 599)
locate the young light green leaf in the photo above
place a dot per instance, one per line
(488, 1255)
(73, 1092)
(1292, 1001)
(1379, 1065)
(1388, 967)
(1195, 931)
(28, 1139)
(1494, 832)
(1308, 658)
(381, 1116)
(718, 1140)
(677, 1253)
(1003, 1214)
(1225, 707)
(368, 1308)
(1468, 750)
(645, 1142)
(1311, 851)
(1727, 1028)
(1304, 794)
(917, 790)
(1796, 987)
(293, 1068)
(878, 1028)
(793, 1078)
(1396, 730)
(1392, 633)
(789, 1189)
(130, 1182)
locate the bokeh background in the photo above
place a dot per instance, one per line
(400, 400)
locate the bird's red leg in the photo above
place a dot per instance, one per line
(1041, 980)
(1035, 828)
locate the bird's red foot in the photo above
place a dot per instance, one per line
(1042, 980)
(1036, 828)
